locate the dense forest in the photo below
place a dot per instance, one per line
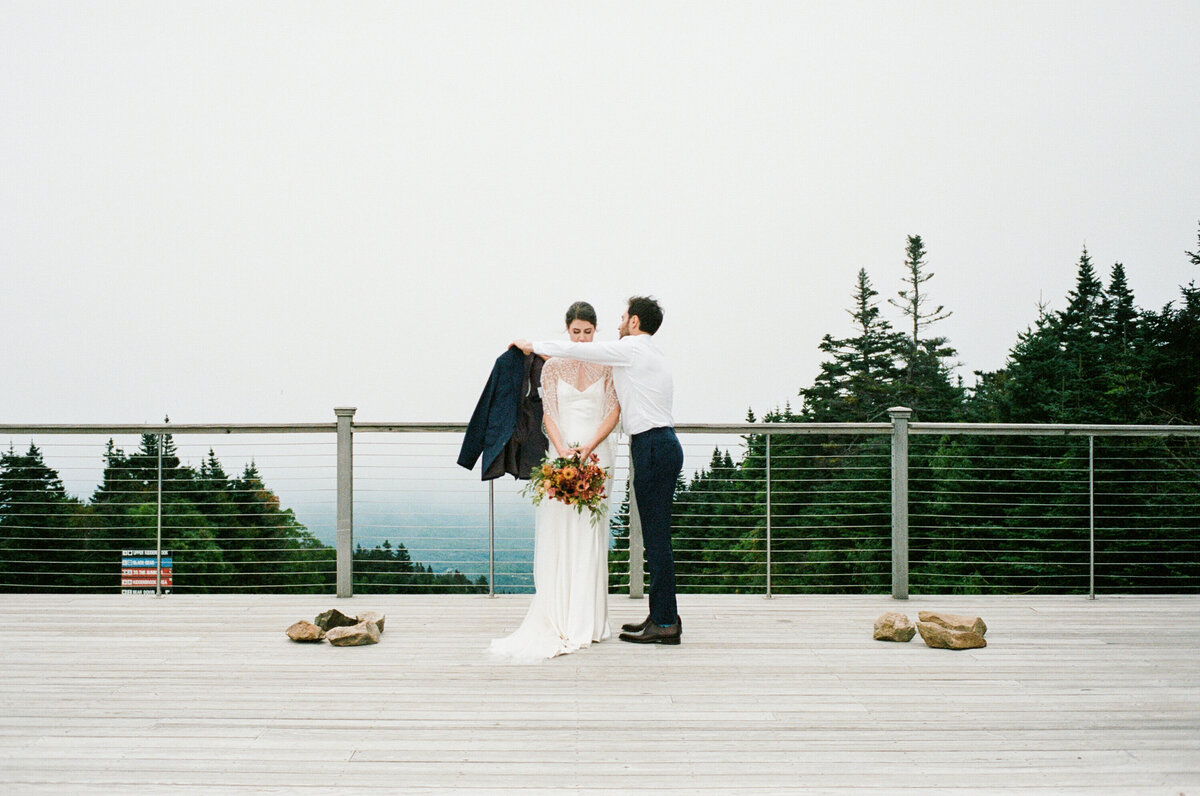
(996, 513)
(999, 513)
(225, 534)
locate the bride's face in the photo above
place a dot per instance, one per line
(580, 331)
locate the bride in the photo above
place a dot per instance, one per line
(570, 553)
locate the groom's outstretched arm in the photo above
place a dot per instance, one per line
(613, 353)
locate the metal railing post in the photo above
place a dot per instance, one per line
(492, 538)
(158, 535)
(900, 416)
(1091, 517)
(345, 501)
(637, 549)
(768, 595)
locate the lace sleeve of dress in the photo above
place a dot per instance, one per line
(550, 375)
(610, 392)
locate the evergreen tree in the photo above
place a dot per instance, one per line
(912, 300)
(1175, 367)
(39, 545)
(1080, 330)
(926, 385)
(859, 379)
(1128, 395)
(1054, 372)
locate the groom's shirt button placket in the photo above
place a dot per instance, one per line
(641, 376)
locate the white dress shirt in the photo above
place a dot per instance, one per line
(641, 375)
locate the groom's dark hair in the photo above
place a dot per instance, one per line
(648, 312)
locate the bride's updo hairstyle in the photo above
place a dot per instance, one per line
(581, 311)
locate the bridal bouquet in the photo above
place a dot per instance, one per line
(571, 481)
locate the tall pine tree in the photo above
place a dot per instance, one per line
(925, 384)
(859, 379)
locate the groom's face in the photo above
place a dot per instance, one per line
(623, 329)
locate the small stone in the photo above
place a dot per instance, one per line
(372, 616)
(333, 618)
(971, 624)
(354, 635)
(941, 637)
(894, 626)
(305, 631)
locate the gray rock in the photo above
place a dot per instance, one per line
(305, 631)
(354, 635)
(941, 637)
(894, 626)
(971, 624)
(333, 618)
(372, 616)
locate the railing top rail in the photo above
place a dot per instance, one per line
(1029, 429)
(683, 428)
(170, 428)
(419, 427)
(784, 428)
(1053, 429)
(1026, 429)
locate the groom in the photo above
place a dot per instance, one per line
(642, 378)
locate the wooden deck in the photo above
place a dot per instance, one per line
(205, 694)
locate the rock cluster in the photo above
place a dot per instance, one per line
(340, 630)
(942, 631)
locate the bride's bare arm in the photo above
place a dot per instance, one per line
(602, 432)
(554, 435)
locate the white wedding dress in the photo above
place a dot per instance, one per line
(570, 553)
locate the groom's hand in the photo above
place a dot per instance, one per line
(524, 345)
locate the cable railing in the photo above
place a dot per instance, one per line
(96, 509)
(1044, 512)
(761, 508)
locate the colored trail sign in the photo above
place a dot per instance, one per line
(138, 572)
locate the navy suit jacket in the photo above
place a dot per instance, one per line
(506, 426)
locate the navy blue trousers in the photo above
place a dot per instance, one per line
(657, 462)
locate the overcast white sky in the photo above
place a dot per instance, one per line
(251, 211)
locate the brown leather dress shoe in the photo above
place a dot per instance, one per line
(640, 626)
(653, 634)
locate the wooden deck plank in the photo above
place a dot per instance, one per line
(197, 693)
